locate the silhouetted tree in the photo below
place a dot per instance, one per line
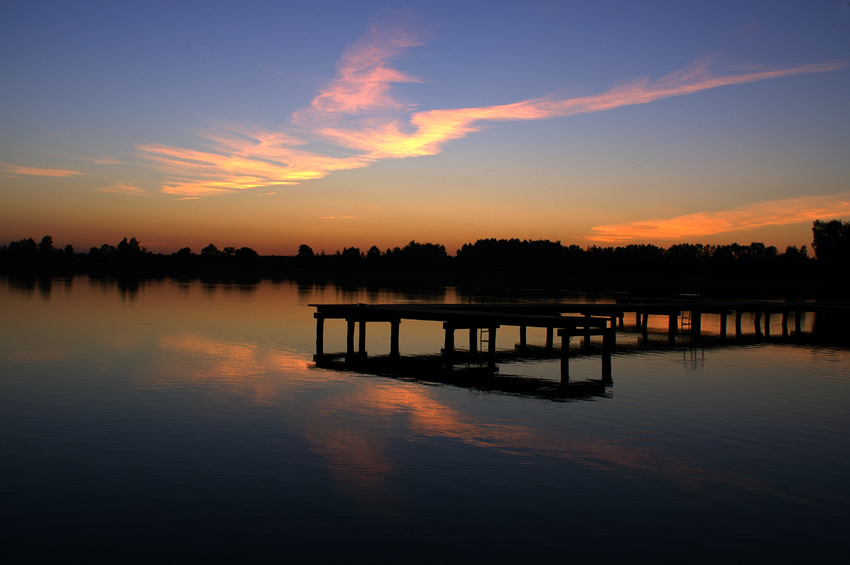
(246, 255)
(23, 249)
(422, 256)
(639, 259)
(130, 250)
(831, 242)
(351, 257)
(305, 251)
(686, 258)
(373, 257)
(488, 256)
(103, 253)
(210, 251)
(599, 259)
(794, 262)
(45, 248)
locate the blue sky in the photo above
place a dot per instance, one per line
(102, 101)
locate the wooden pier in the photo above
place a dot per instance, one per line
(684, 317)
(482, 325)
(690, 313)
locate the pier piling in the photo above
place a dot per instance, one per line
(585, 320)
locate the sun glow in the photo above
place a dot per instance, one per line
(772, 213)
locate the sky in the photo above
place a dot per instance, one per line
(271, 124)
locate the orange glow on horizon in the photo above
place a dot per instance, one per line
(772, 213)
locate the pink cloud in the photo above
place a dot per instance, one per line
(771, 213)
(37, 171)
(364, 77)
(123, 188)
(105, 161)
(435, 127)
(357, 113)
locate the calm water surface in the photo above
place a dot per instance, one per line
(184, 421)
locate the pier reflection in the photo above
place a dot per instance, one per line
(478, 372)
(472, 372)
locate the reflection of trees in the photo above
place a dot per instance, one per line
(128, 287)
(832, 326)
(45, 285)
(27, 285)
(24, 285)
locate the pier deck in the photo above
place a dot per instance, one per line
(566, 319)
(459, 317)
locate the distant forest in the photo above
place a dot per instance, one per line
(499, 257)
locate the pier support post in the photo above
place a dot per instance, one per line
(473, 340)
(738, 315)
(672, 324)
(394, 349)
(449, 346)
(608, 339)
(696, 323)
(550, 339)
(565, 356)
(757, 323)
(723, 316)
(767, 324)
(491, 348)
(587, 332)
(785, 323)
(320, 336)
(523, 336)
(613, 328)
(622, 319)
(606, 367)
(349, 337)
(361, 345)
(797, 323)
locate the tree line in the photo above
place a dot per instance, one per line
(831, 245)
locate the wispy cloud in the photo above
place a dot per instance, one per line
(239, 158)
(771, 213)
(123, 188)
(107, 160)
(357, 114)
(9, 168)
(433, 128)
(364, 78)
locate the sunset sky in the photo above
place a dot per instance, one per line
(271, 124)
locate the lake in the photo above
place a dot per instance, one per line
(168, 421)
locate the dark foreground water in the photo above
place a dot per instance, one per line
(175, 422)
